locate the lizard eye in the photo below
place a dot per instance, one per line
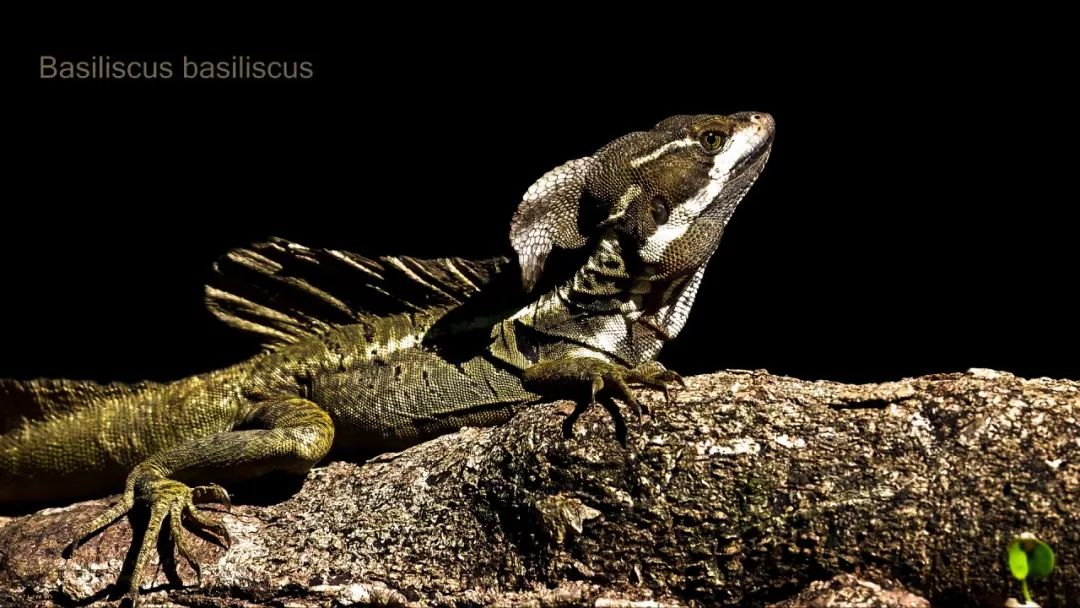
(659, 210)
(711, 140)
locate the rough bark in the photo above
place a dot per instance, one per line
(849, 591)
(742, 492)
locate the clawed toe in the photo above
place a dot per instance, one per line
(623, 391)
(653, 375)
(211, 493)
(218, 531)
(180, 539)
(113, 513)
(670, 377)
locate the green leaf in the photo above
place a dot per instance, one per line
(1041, 560)
(1029, 556)
(1018, 560)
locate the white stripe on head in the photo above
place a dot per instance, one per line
(662, 150)
(682, 217)
(654, 246)
(623, 203)
(737, 147)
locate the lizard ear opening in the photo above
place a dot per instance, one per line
(548, 216)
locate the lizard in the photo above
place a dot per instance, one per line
(363, 356)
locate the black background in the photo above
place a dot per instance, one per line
(915, 216)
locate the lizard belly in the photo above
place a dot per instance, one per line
(411, 396)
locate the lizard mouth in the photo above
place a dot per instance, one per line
(754, 139)
(755, 161)
(743, 175)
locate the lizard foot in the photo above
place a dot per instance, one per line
(603, 380)
(167, 499)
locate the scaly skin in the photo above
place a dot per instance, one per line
(380, 365)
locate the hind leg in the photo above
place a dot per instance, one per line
(297, 435)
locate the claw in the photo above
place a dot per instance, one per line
(627, 395)
(211, 493)
(205, 523)
(654, 375)
(176, 531)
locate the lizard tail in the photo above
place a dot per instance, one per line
(25, 401)
(50, 437)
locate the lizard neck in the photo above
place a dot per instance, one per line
(604, 310)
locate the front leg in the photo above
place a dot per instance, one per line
(575, 377)
(292, 434)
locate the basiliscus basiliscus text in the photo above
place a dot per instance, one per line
(369, 355)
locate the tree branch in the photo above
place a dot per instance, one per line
(742, 492)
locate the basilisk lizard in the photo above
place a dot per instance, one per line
(368, 355)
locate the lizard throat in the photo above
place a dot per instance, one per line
(600, 311)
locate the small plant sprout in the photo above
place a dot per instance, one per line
(1029, 557)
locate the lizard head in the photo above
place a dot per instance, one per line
(670, 191)
(667, 192)
(646, 212)
(642, 217)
